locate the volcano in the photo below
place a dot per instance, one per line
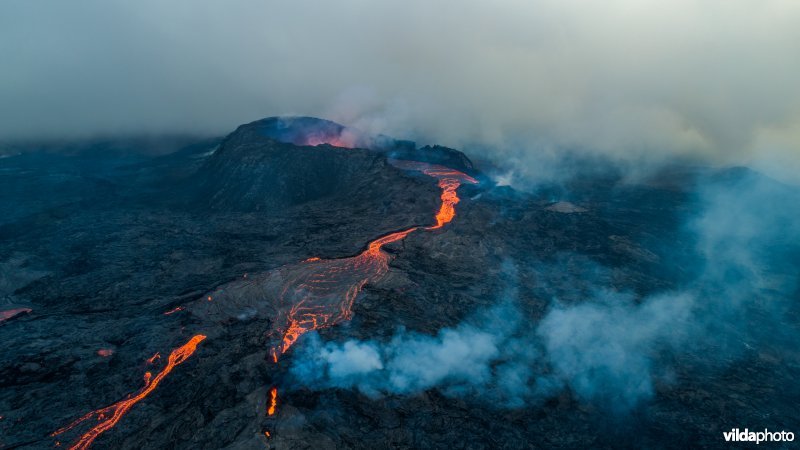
(302, 284)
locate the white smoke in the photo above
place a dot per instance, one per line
(606, 349)
(602, 350)
(456, 359)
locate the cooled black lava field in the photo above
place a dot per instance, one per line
(292, 285)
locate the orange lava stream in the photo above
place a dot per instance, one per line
(274, 353)
(323, 292)
(110, 415)
(273, 402)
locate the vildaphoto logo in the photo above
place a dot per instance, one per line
(736, 435)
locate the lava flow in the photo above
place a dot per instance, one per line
(110, 415)
(449, 181)
(316, 292)
(273, 401)
(320, 292)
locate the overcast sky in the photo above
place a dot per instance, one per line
(631, 78)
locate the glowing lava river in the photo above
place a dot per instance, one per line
(320, 292)
(109, 416)
(312, 294)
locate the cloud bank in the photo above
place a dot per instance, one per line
(520, 79)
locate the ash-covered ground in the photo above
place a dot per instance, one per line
(596, 312)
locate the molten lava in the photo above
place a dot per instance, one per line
(317, 293)
(321, 292)
(273, 401)
(274, 353)
(110, 415)
(105, 352)
(449, 181)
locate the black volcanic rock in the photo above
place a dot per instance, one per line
(260, 174)
(100, 259)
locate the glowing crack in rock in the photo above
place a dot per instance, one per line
(110, 415)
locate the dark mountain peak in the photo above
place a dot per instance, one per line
(254, 172)
(313, 131)
(261, 174)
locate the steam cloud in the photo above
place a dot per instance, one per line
(603, 351)
(457, 359)
(521, 81)
(611, 349)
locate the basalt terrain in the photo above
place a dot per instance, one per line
(165, 300)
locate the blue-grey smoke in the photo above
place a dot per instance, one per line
(605, 349)
(465, 358)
